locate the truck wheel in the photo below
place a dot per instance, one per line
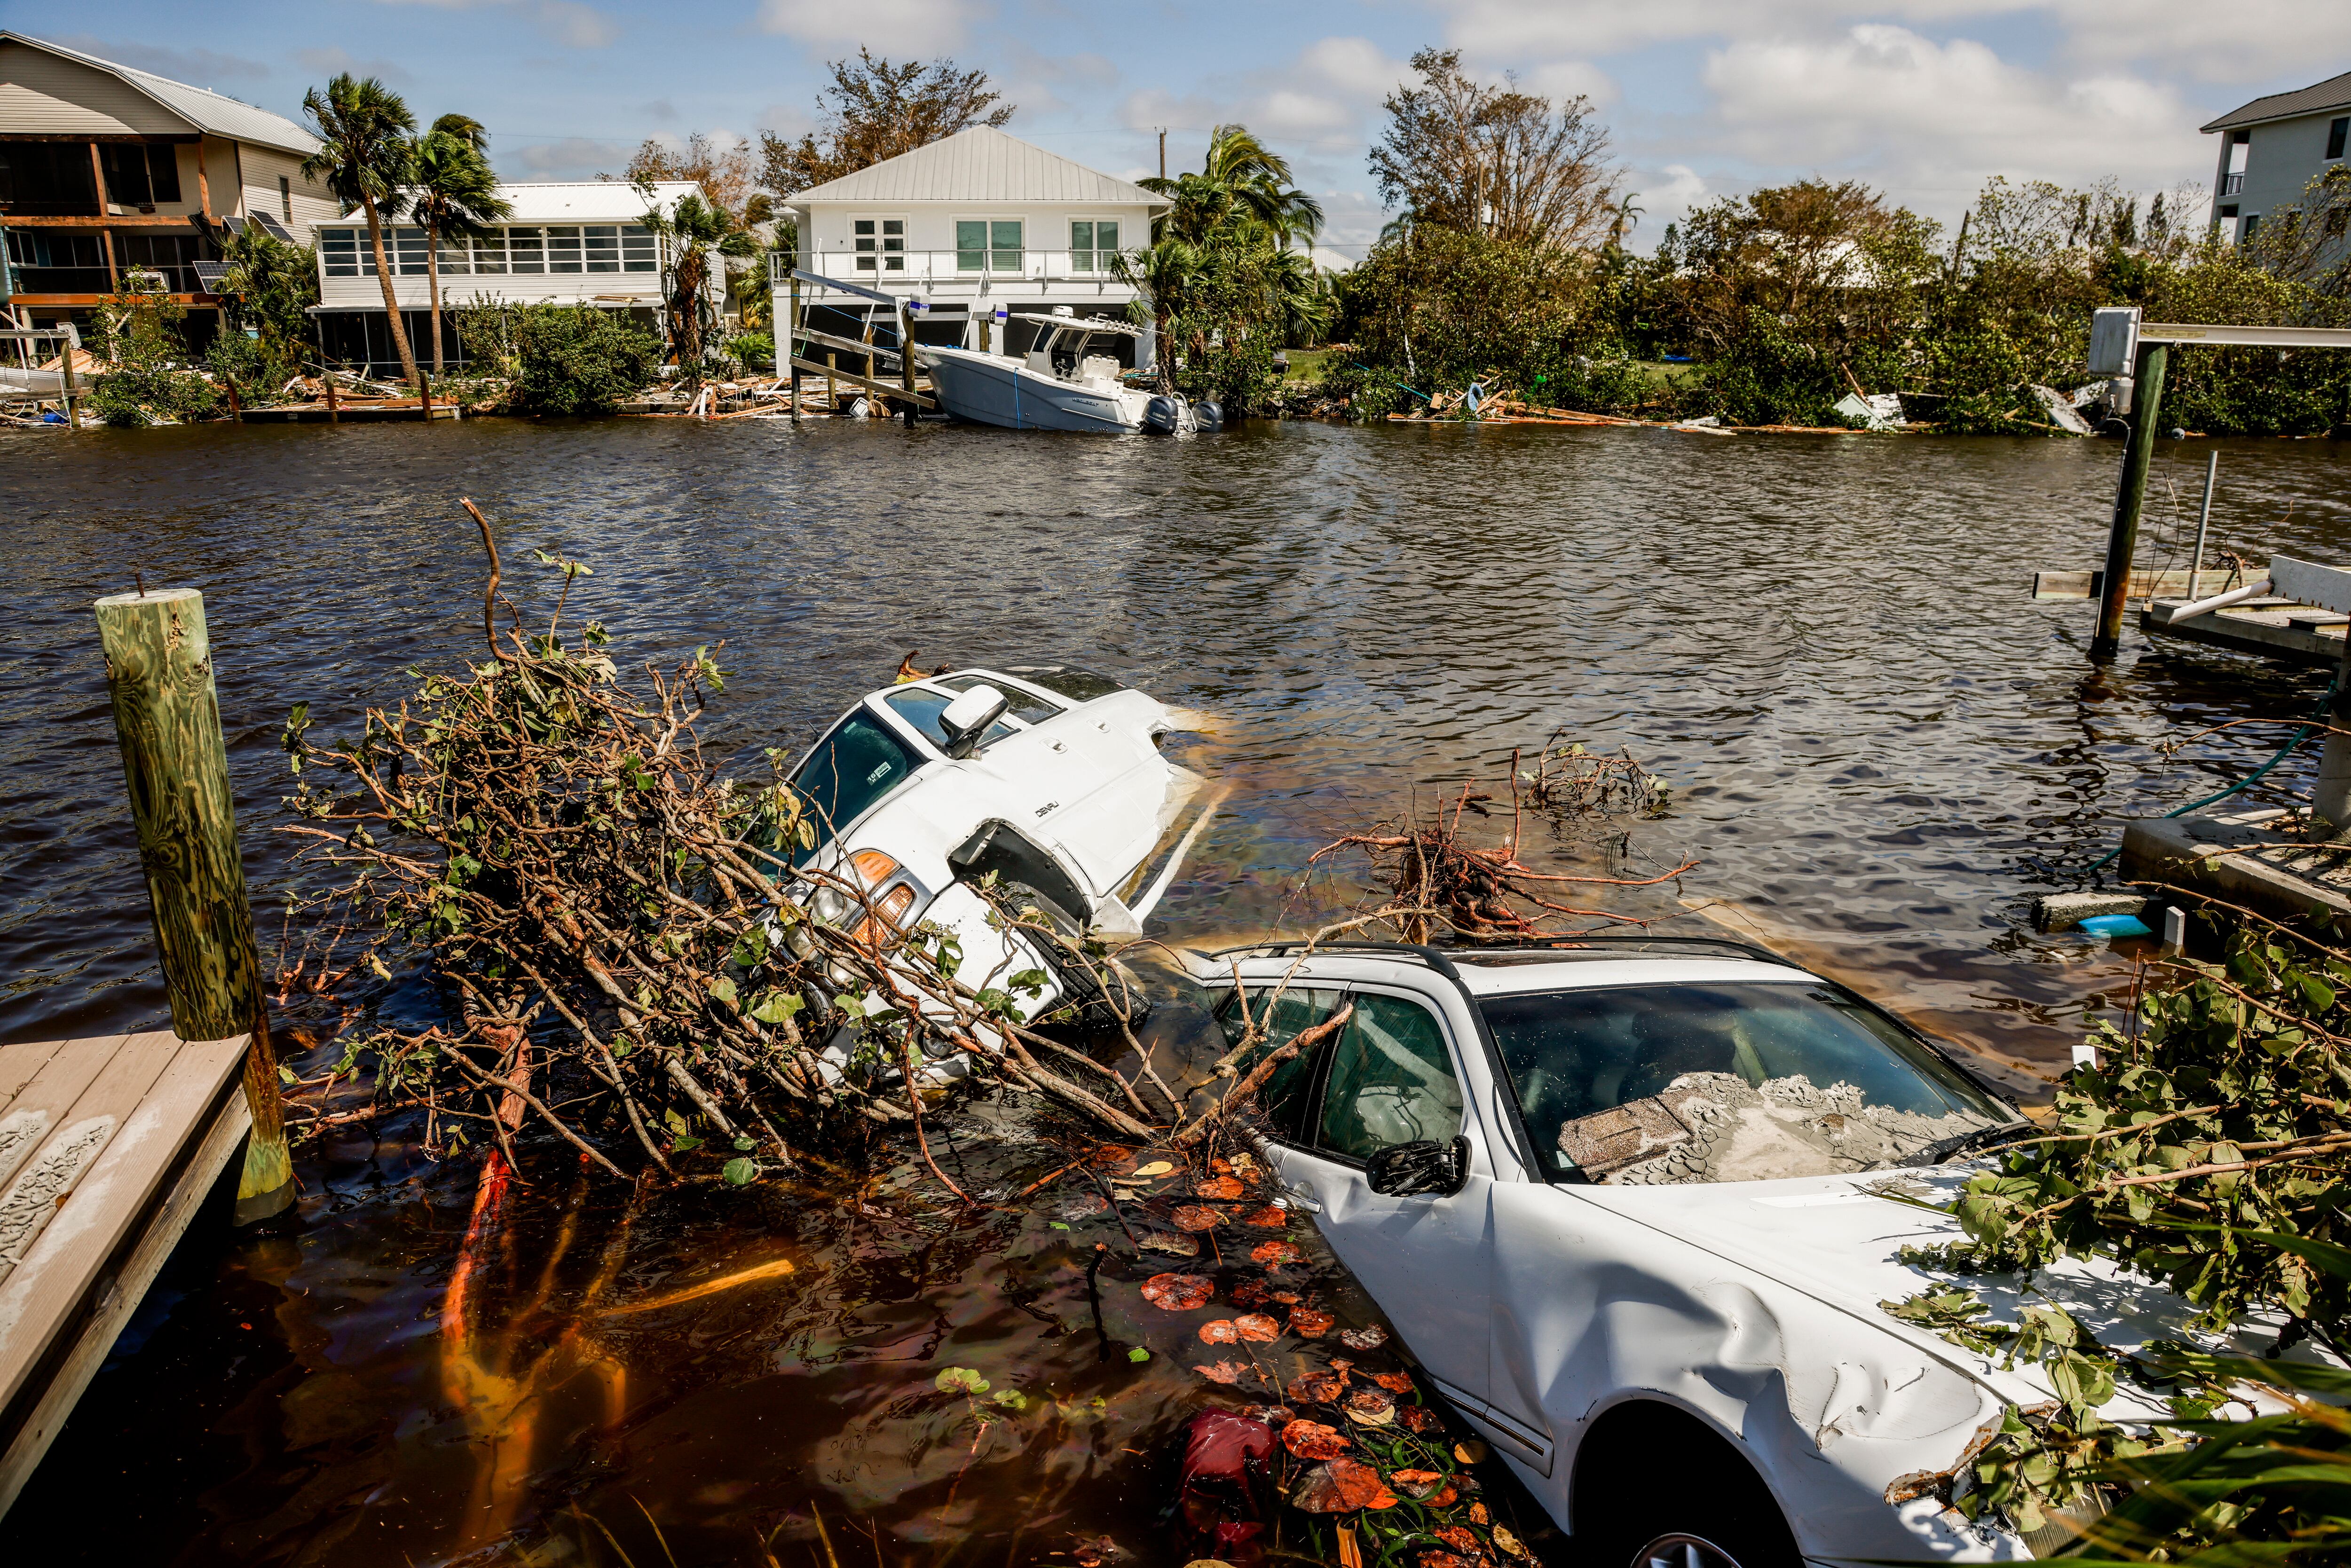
(1666, 1491)
(1680, 1550)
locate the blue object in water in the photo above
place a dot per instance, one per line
(1674, 359)
(2116, 925)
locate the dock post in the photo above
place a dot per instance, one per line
(2130, 498)
(792, 347)
(907, 351)
(158, 670)
(2203, 523)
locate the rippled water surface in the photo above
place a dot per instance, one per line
(1879, 750)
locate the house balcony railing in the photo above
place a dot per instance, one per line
(2232, 184)
(933, 268)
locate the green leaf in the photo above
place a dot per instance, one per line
(685, 1143)
(724, 990)
(1055, 1225)
(1138, 1353)
(1012, 1399)
(775, 1007)
(740, 1171)
(960, 1380)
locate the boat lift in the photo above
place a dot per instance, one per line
(798, 332)
(25, 381)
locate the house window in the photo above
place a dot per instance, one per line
(526, 251)
(341, 250)
(490, 252)
(1093, 245)
(139, 174)
(46, 179)
(880, 243)
(454, 257)
(563, 250)
(286, 197)
(992, 245)
(638, 251)
(2336, 134)
(172, 258)
(604, 246)
(2252, 223)
(408, 246)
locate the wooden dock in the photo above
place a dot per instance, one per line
(106, 1148)
(2275, 628)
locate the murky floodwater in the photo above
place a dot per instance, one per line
(1879, 750)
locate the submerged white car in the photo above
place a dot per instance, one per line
(1628, 1204)
(1048, 778)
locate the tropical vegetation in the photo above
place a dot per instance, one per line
(560, 360)
(452, 194)
(364, 157)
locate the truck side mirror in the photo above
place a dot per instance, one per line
(1419, 1168)
(967, 718)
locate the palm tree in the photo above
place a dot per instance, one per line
(695, 229)
(451, 192)
(1240, 178)
(363, 157)
(1169, 273)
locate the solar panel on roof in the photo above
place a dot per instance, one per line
(209, 274)
(234, 224)
(272, 227)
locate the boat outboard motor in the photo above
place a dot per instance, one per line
(1163, 414)
(1207, 415)
(967, 718)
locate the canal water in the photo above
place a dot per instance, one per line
(1878, 750)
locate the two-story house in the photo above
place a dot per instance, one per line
(106, 170)
(567, 243)
(2272, 149)
(968, 224)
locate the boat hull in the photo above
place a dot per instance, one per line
(986, 388)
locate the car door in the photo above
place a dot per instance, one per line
(1392, 1077)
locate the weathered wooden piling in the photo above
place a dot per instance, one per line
(158, 670)
(2130, 498)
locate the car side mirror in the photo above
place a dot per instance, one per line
(1418, 1169)
(967, 718)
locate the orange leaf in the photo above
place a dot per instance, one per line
(1394, 1382)
(1316, 1388)
(1272, 1254)
(1218, 1187)
(1267, 1218)
(1223, 1372)
(1257, 1326)
(1342, 1486)
(1313, 1440)
(1368, 1338)
(1179, 1293)
(1192, 1216)
(1417, 1484)
(1221, 1332)
(1308, 1323)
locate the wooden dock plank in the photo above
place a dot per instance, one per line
(158, 1095)
(2264, 626)
(2071, 585)
(119, 1291)
(45, 1103)
(19, 1062)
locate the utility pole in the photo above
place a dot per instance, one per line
(1162, 152)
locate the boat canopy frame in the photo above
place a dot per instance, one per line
(1079, 323)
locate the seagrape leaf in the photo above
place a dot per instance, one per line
(960, 1380)
(740, 1171)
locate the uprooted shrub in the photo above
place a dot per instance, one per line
(623, 946)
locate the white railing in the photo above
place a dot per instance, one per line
(916, 268)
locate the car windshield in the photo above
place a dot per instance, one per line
(1639, 1085)
(851, 769)
(1068, 681)
(921, 707)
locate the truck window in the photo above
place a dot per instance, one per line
(849, 771)
(1285, 1097)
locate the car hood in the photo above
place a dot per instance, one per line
(1837, 1239)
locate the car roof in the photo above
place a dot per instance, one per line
(1512, 972)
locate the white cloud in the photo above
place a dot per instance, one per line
(570, 158)
(337, 61)
(2247, 41)
(920, 28)
(565, 21)
(1932, 121)
(1664, 196)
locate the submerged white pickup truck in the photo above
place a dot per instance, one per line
(1046, 778)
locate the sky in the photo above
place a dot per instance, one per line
(1923, 99)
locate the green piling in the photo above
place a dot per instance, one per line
(2130, 498)
(158, 670)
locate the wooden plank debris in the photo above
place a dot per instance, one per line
(129, 1133)
(2076, 585)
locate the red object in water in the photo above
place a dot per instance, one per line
(1224, 1486)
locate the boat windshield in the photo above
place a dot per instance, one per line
(850, 770)
(1641, 1085)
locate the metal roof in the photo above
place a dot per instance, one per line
(206, 110)
(578, 201)
(981, 164)
(2335, 92)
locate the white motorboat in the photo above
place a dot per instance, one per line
(1056, 385)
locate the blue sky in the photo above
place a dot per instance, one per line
(1924, 99)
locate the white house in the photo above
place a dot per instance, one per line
(567, 243)
(105, 170)
(2271, 147)
(968, 225)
